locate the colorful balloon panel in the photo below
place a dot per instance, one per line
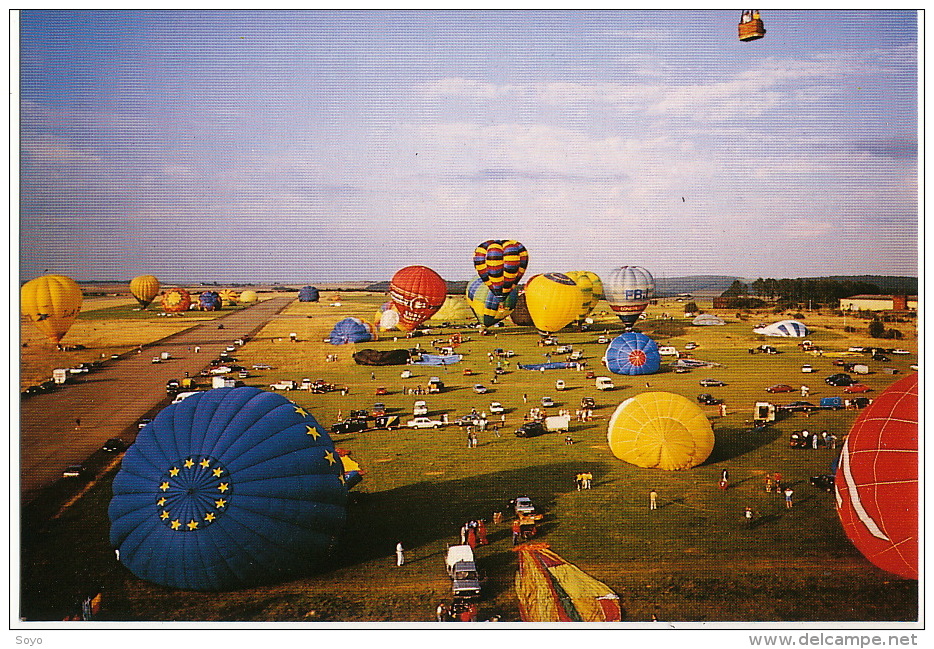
(144, 288)
(628, 290)
(876, 483)
(660, 430)
(501, 264)
(209, 301)
(230, 487)
(488, 307)
(633, 354)
(176, 300)
(52, 303)
(229, 296)
(553, 300)
(417, 292)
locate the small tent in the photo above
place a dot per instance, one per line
(707, 319)
(785, 328)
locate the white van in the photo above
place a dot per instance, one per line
(182, 396)
(420, 408)
(604, 383)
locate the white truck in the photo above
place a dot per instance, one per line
(604, 383)
(283, 385)
(60, 376)
(558, 423)
(222, 382)
(462, 569)
(420, 408)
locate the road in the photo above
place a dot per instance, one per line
(112, 399)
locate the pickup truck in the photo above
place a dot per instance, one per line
(424, 422)
(283, 385)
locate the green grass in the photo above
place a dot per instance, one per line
(691, 560)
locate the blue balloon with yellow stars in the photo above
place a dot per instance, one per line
(227, 488)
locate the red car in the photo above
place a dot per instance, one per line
(857, 387)
(779, 387)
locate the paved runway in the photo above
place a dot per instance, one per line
(111, 399)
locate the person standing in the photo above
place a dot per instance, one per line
(724, 479)
(588, 477)
(653, 500)
(481, 532)
(516, 531)
(789, 493)
(748, 515)
(768, 483)
(400, 554)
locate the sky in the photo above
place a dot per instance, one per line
(327, 146)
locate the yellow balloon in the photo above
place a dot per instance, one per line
(248, 297)
(52, 302)
(229, 296)
(660, 430)
(553, 300)
(591, 288)
(454, 309)
(144, 288)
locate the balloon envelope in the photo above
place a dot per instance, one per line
(209, 301)
(500, 263)
(175, 300)
(633, 354)
(553, 300)
(418, 292)
(487, 306)
(352, 330)
(229, 487)
(454, 309)
(388, 319)
(629, 289)
(144, 288)
(248, 297)
(52, 302)
(520, 315)
(876, 483)
(591, 290)
(660, 430)
(308, 294)
(229, 296)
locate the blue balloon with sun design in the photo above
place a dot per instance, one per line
(230, 487)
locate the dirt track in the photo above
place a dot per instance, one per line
(112, 399)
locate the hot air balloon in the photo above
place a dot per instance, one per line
(352, 330)
(417, 292)
(660, 430)
(229, 296)
(550, 589)
(248, 297)
(454, 309)
(52, 302)
(175, 300)
(876, 482)
(487, 306)
(389, 320)
(209, 301)
(591, 289)
(520, 315)
(308, 294)
(553, 300)
(633, 354)
(628, 290)
(230, 487)
(500, 264)
(144, 288)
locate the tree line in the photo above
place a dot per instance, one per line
(793, 291)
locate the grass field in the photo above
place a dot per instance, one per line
(691, 560)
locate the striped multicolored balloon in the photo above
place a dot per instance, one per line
(501, 264)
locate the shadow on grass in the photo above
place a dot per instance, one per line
(732, 442)
(427, 513)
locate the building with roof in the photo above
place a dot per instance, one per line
(879, 303)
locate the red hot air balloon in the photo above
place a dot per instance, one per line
(418, 292)
(500, 264)
(877, 480)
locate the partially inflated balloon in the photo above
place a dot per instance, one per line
(389, 320)
(520, 315)
(500, 264)
(553, 300)
(629, 289)
(209, 301)
(352, 330)
(176, 300)
(144, 288)
(229, 296)
(877, 480)
(308, 294)
(660, 430)
(633, 354)
(591, 289)
(487, 306)
(248, 297)
(52, 302)
(230, 487)
(454, 309)
(418, 292)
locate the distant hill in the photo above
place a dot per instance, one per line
(454, 288)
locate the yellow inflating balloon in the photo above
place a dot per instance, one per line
(453, 309)
(144, 288)
(248, 297)
(591, 289)
(229, 296)
(660, 430)
(553, 300)
(52, 302)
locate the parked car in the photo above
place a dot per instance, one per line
(113, 445)
(711, 383)
(900, 351)
(880, 357)
(859, 402)
(603, 340)
(261, 366)
(479, 388)
(856, 388)
(143, 422)
(604, 383)
(560, 384)
(547, 402)
(840, 380)
(420, 408)
(590, 374)
(424, 422)
(381, 390)
(588, 402)
(564, 349)
(354, 425)
(496, 408)
(75, 471)
(171, 385)
(283, 385)
(691, 345)
(708, 399)
(807, 369)
(779, 387)
(468, 420)
(531, 429)
(523, 505)
(379, 408)
(799, 406)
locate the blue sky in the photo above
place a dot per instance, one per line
(323, 146)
